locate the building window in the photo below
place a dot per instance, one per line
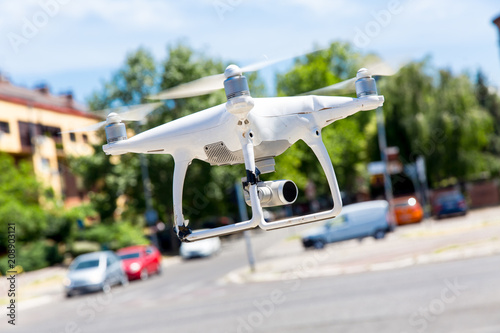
(50, 131)
(25, 130)
(29, 130)
(72, 137)
(4, 127)
(85, 138)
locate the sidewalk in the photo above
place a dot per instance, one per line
(476, 234)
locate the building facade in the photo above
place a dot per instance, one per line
(31, 122)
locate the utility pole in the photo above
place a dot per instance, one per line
(382, 143)
(244, 217)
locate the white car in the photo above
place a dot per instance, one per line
(201, 248)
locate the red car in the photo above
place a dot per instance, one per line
(140, 261)
(407, 210)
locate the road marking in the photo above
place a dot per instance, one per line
(34, 302)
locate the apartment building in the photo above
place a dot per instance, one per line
(31, 122)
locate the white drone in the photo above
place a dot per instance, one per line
(245, 130)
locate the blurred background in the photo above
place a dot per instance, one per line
(432, 152)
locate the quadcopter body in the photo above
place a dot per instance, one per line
(212, 135)
(244, 130)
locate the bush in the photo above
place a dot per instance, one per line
(33, 256)
(82, 247)
(115, 236)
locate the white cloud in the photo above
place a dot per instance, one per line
(97, 33)
(124, 14)
(129, 14)
(82, 34)
(327, 7)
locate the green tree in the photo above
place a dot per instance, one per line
(39, 229)
(345, 139)
(19, 201)
(107, 177)
(487, 98)
(135, 80)
(436, 114)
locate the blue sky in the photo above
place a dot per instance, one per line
(73, 45)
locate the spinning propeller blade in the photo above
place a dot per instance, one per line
(208, 84)
(91, 128)
(202, 86)
(125, 113)
(379, 68)
(346, 86)
(137, 112)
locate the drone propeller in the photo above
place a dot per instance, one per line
(124, 113)
(215, 82)
(91, 128)
(379, 68)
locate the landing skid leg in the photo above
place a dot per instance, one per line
(186, 234)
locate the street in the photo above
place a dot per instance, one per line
(193, 296)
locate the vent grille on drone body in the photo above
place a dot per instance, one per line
(219, 154)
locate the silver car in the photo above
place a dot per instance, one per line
(358, 220)
(94, 272)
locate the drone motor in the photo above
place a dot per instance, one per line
(115, 129)
(365, 84)
(239, 101)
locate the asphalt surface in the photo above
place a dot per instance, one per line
(456, 296)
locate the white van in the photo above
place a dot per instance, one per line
(358, 220)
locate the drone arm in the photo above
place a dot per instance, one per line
(314, 141)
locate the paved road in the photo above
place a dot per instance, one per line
(458, 296)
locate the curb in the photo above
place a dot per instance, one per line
(242, 276)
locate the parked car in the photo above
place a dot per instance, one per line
(407, 210)
(358, 220)
(449, 203)
(201, 248)
(141, 261)
(94, 272)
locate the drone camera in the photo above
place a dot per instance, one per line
(275, 193)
